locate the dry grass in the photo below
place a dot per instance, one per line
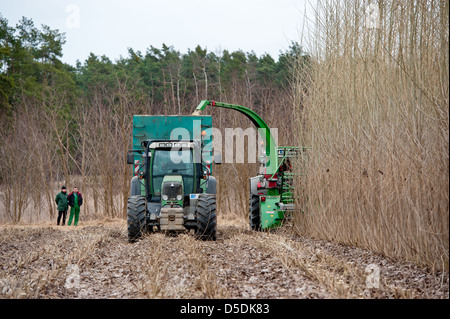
(37, 260)
(43, 261)
(375, 111)
(179, 271)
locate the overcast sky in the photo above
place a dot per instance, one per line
(111, 27)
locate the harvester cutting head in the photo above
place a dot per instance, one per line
(272, 190)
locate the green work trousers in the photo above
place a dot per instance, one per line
(74, 211)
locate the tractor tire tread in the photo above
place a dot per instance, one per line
(206, 217)
(254, 216)
(136, 212)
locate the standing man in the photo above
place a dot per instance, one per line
(62, 202)
(75, 201)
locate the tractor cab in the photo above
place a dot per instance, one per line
(172, 163)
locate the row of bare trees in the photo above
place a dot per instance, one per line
(376, 113)
(49, 145)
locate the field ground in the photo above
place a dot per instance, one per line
(95, 260)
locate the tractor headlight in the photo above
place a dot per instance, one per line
(179, 197)
(164, 197)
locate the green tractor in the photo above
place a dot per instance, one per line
(173, 188)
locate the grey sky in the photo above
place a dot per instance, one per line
(110, 27)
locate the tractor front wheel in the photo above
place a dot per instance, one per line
(136, 217)
(206, 217)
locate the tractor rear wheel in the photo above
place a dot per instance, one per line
(136, 217)
(206, 217)
(253, 213)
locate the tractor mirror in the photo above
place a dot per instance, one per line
(130, 158)
(218, 157)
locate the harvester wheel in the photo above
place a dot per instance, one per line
(206, 217)
(136, 217)
(253, 213)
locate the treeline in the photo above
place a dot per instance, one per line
(72, 124)
(30, 62)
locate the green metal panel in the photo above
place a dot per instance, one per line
(271, 217)
(176, 127)
(161, 127)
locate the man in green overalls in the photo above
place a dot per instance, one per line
(75, 201)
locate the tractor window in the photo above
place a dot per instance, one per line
(165, 164)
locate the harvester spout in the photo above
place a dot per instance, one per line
(200, 107)
(263, 129)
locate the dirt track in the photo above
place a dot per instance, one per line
(95, 260)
